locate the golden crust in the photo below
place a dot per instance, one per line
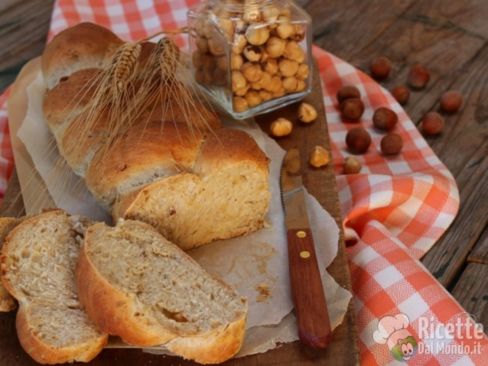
(113, 311)
(214, 347)
(139, 154)
(45, 354)
(228, 145)
(86, 45)
(69, 97)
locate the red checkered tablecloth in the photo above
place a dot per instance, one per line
(396, 208)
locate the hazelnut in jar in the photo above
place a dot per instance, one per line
(262, 49)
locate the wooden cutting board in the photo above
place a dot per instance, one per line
(319, 182)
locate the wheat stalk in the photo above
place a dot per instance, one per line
(122, 68)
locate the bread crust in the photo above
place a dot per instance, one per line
(85, 45)
(111, 309)
(46, 354)
(211, 348)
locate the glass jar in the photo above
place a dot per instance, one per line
(251, 56)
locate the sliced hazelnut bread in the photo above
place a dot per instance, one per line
(135, 284)
(38, 268)
(7, 302)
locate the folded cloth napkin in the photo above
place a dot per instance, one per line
(394, 210)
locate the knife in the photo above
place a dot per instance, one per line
(306, 284)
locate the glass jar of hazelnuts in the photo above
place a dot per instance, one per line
(251, 56)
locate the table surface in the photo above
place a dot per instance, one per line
(450, 37)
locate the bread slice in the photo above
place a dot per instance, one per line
(7, 302)
(38, 268)
(135, 284)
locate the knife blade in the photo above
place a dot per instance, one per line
(306, 284)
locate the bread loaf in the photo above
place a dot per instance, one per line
(195, 183)
(38, 268)
(139, 286)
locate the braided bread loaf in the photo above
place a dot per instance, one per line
(195, 185)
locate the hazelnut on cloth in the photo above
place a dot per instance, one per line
(352, 109)
(352, 165)
(358, 140)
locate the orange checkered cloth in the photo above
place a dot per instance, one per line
(396, 208)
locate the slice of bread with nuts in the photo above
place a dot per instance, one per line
(7, 302)
(38, 269)
(135, 284)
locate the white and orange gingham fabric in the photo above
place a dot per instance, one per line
(396, 208)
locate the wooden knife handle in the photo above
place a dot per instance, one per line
(307, 291)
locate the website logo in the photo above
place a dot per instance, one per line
(392, 331)
(461, 336)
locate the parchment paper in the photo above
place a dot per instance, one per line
(256, 264)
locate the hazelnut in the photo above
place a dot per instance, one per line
(285, 12)
(265, 95)
(264, 80)
(240, 104)
(285, 29)
(274, 85)
(252, 14)
(271, 13)
(391, 144)
(208, 61)
(432, 124)
(291, 161)
(418, 77)
(279, 93)
(219, 77)
(222, 63)
(358, 140)
(319, 157)
(253, 99)
(290, 84)
(301, 85)
(239, 43)
(380, 68)
(352, 109)
(275, 47)
(236, 61)
(264, 56)
(240, 26)
(281, 127)
(271, 66)
(200, 76)
(401, 94)
(257, 35)
(451, 101)
(299, 34)
(385, 119)
(238, 80)
(288, 67)
(252, 53)
(251, 71)
(202, 44)
(227, 27)
(352, 165)
(302, 72)
(242, 91)
(294, 52)
(216, 47)
(307, 113)
(347, 92)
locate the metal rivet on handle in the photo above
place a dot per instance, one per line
(304, 254)
(301, 234)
